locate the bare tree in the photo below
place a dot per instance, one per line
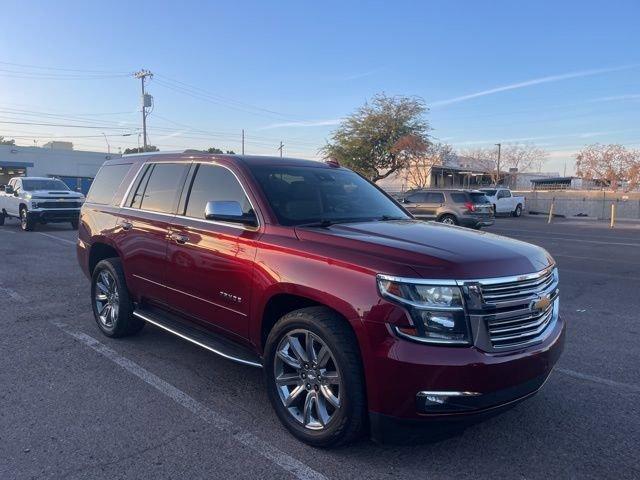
(484, 159)
(612, 163)
(419, 170)
(525, 157)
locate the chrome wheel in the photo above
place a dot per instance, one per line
(107, 299)
(24, 218)
(448, 221)
(307, 379)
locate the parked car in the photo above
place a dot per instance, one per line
(360, 316)
(469, 208)
(39, 200)
(504, 201)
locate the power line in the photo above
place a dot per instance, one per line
(39, 67)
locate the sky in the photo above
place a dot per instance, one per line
(557, 74)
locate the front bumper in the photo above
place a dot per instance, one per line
(54, 215)
(403, 371)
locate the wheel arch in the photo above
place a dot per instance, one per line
(99, 251)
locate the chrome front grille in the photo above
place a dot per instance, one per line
(509, 313)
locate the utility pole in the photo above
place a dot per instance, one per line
(142, 75)
(108, 146)
(243, 141)
(565, 169)
(499, 145)
(280, 148)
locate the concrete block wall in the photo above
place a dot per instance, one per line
(581, 203)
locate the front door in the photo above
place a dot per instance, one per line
(210, 264)
(143, 226)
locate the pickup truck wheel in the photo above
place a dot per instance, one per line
(448, 219)
(314, 377)
(518, 211)
(26, 223)
(112, 306)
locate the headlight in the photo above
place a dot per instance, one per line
(437, 310)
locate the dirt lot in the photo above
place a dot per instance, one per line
(74, 404)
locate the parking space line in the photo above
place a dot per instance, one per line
(265, 449)
(12, 294)
(549, 236)
(56, 238)
(604, 381)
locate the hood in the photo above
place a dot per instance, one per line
(432, 250)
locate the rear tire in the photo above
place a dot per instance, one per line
(27, 224)
(448, 219)
(329, 381)
(518, 211)
(112, 305)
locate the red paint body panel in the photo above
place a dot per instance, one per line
(336, 267)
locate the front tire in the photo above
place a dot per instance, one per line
(26, 222)
(314, 377)
(112, 305)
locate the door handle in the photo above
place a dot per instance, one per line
(126, 225)
(180, 238)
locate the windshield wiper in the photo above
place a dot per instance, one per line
(319, 224)
(387, 218)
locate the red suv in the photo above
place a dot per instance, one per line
(360, 316)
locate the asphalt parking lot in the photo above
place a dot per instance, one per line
(75, 404)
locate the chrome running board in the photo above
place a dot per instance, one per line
(207, 340)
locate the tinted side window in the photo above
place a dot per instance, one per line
(106, 183)
(459, 197)
(162, 189)
(417, 198)
(214, 183)
(435, 197)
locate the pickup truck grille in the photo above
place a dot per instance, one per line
(56, 204)
(517, 312)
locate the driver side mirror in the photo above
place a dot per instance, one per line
(228, 211)
(405, 200)
(8, 189)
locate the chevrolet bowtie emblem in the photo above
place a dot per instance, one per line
(541, 304)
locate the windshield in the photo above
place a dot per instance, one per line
(489, 192)
(44, 184)
(477, 197)
(300, 195)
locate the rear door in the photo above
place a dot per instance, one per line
(416, 203)
(503, 201)
(434, 201)
(211, 262)
(143, 226)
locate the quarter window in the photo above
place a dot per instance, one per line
(106, 183)
(214, 183)
(159, 191)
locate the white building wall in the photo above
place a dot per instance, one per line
(52, 162)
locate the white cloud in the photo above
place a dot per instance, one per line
(529, 83)
(310, 123)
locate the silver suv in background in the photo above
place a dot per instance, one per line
(468, 208)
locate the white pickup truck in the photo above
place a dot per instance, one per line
(39, 200)
(503, 201)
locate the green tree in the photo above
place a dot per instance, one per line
(150, 148)
(4, 141)
(217, 150)
(381, 137)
